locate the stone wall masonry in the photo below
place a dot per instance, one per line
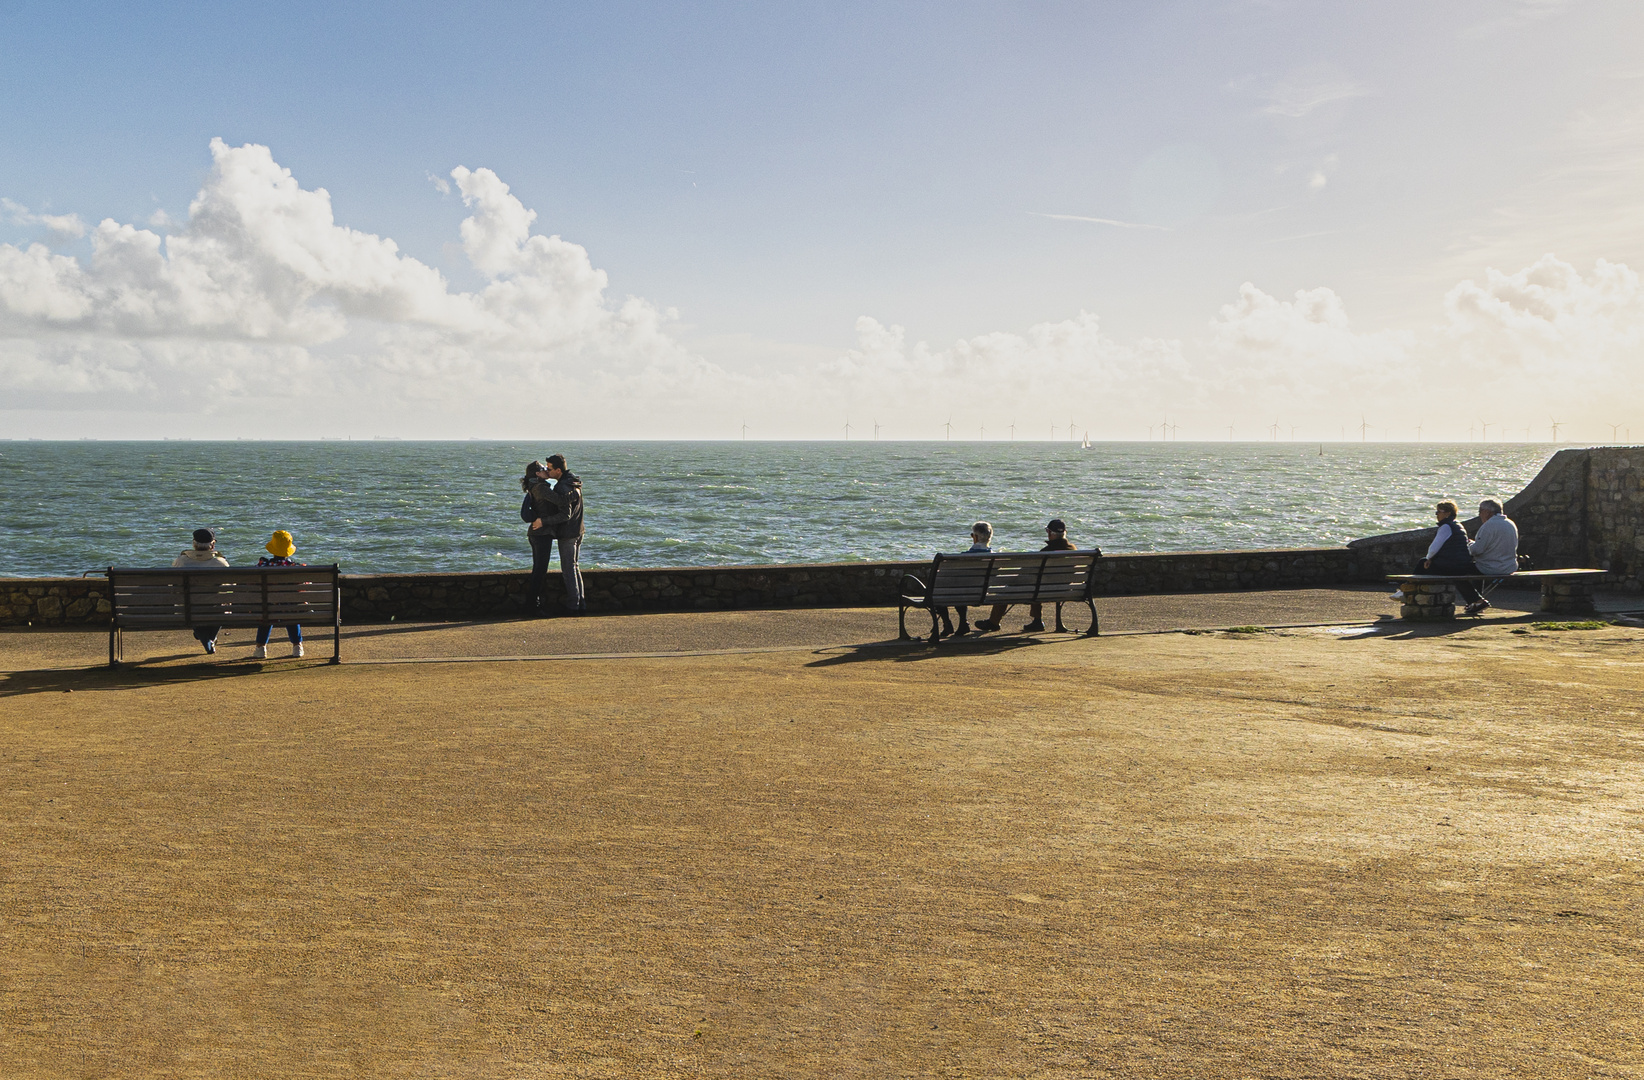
(377, 598)
(1614, 509)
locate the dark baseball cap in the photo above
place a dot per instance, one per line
(1056, 525)
(204, 536)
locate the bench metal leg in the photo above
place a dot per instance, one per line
(902, 624)
(113, 629)
(336, 628)
(1095, 623)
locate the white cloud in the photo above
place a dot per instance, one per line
(260, 306)
(61, 226)
(1303, 91)
(1100, 221)
(263, 273)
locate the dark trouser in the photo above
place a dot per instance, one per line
(1469, 592)
(569, 547)
(542, 550)
(294, 632)
(1036, 613)
(203, 634)
(964, 616)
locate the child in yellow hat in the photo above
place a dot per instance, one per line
(280, 549)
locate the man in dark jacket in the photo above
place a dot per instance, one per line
(559, 510)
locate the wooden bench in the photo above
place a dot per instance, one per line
(175, 598)
(1432, 597)
(1019, 577)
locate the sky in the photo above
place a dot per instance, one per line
(1247, 219)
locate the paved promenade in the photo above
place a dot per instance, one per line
(780, 844)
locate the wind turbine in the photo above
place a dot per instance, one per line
(744, 431)
(984, 430)
(1012, 432)
(1292, 432)
(1485, 428)
(949, 427)
(1274, 429)
(1364, 426)
(1470, 428)
(1556, 425)
(1615, 432)
(876, 431)
(1150, 433)
(1173, 428)
(1070, 426)
(1230, 433)
(847, 431)
(1418, 433)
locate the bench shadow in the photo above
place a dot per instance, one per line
(130, 676)
(897, 651)
(1392, 628)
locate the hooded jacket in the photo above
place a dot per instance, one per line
(196, 559)
(560, 505)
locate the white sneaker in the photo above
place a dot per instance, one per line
(260, 653)
(1396, 594)
(297, 649)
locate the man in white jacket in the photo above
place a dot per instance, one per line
(203, 555)
(1495, 547)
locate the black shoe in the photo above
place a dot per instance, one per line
(1033, 627)
(962, 631)
(986, 626)
(946, 631)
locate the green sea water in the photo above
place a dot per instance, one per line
(382, 506)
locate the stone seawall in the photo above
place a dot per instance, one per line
(1585, 508)
(370, 598)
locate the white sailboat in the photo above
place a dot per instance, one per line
(1086, 444)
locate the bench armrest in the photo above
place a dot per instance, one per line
(920, 590)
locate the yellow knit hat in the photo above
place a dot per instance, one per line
(281, 544)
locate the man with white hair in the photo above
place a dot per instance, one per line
(1494, 548)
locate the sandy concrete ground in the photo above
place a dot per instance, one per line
(1343, 851)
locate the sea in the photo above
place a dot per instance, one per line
(388, 506)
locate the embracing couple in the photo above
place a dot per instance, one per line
(553, 506)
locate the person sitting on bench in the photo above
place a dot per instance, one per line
(1447, 554)
(203, 555)
(1495, 548)
(980, 534)
(1055, 540)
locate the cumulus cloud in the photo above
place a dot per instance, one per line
(262, 276)
(261, 306)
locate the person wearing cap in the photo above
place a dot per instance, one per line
(280, 549)
(203, 556)
(558, 498)
(1055, 540)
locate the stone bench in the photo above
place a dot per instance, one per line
(1432, 597)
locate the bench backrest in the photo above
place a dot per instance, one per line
(223, 595)
(1012, 577)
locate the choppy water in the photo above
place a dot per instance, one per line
(66, 507)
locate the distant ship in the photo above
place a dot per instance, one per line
(1086, 444)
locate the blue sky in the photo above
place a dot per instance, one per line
(765, 178)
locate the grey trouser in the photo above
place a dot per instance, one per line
(569, 546)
